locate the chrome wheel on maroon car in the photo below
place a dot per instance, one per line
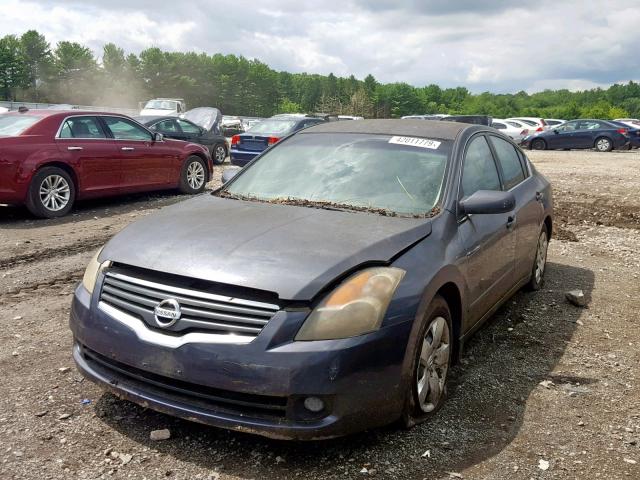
(54, 192)
(195, 175)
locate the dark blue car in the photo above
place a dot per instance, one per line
(246, 146)
(603, 135)
(326, 288)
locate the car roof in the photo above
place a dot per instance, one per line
(420, 128)
(64, 113)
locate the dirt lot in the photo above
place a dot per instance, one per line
(544, 381)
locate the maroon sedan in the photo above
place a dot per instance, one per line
(48, 159)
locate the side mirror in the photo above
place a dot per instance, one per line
(229, 173)
(486, 202)
(158, 137)
(556, 131)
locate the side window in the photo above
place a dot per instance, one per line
(123, 129)
(568, 127)
(166, 126)
(479, 171)
(499, 126)
(509, 162)
(81, 127)
(188, 127)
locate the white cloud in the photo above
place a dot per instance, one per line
(500, 46)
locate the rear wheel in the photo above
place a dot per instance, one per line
(219, 153)
(603, 144)
(194, 175)
(538, 144)
(540, 261)
(431, 364)
(51, 193)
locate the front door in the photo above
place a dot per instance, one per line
(84, 144)
(489, 241)
(145, 163)
(529, 210)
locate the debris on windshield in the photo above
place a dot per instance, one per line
(303, 202)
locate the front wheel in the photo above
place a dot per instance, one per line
(538, 144)
(432, 361)
(51, 193)
(219, 153)
(603, 144)
(540, 261)
(194, 176)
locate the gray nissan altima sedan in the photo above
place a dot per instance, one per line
(326, 288)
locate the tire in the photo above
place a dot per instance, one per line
(218, 154)
(539, 261)
(422, 400)
(603, 144)
(193, 177)
(538, 144)
(51, 193)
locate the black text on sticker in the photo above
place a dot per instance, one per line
(415, 142)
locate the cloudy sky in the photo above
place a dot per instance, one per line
(497, 45)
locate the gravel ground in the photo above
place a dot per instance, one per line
(545, 390)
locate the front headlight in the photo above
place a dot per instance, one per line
(91, 273)
(355, 307)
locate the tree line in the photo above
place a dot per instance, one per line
(32, 70)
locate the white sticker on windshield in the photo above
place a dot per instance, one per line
(416, 142)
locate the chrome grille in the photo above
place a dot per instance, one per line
(202, 311)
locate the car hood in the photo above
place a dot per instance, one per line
(205, 117)
(292, 251)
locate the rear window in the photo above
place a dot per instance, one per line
(275, 127)
(81, 127)
(12, 125)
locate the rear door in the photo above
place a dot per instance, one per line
(83, 141)
(585, 133)
(489, 240)
(145, 164)
(529, 210)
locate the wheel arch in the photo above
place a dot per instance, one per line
(201, 156)
(607, 137)
(62, 166)
(448, 283)
(549, 224)
(451, 294)
(538, 139)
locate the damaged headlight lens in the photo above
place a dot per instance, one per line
(355, 307)
(91, 273)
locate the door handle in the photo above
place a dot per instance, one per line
(73, 149)
(539, 196)
(511, 222)
(127, 149)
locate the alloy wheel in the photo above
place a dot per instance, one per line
(220, 154)
(195, 175)
(433, 364)
(541, 256)
(54, 193)
(603, 145)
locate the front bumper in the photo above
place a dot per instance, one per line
(258, 387)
